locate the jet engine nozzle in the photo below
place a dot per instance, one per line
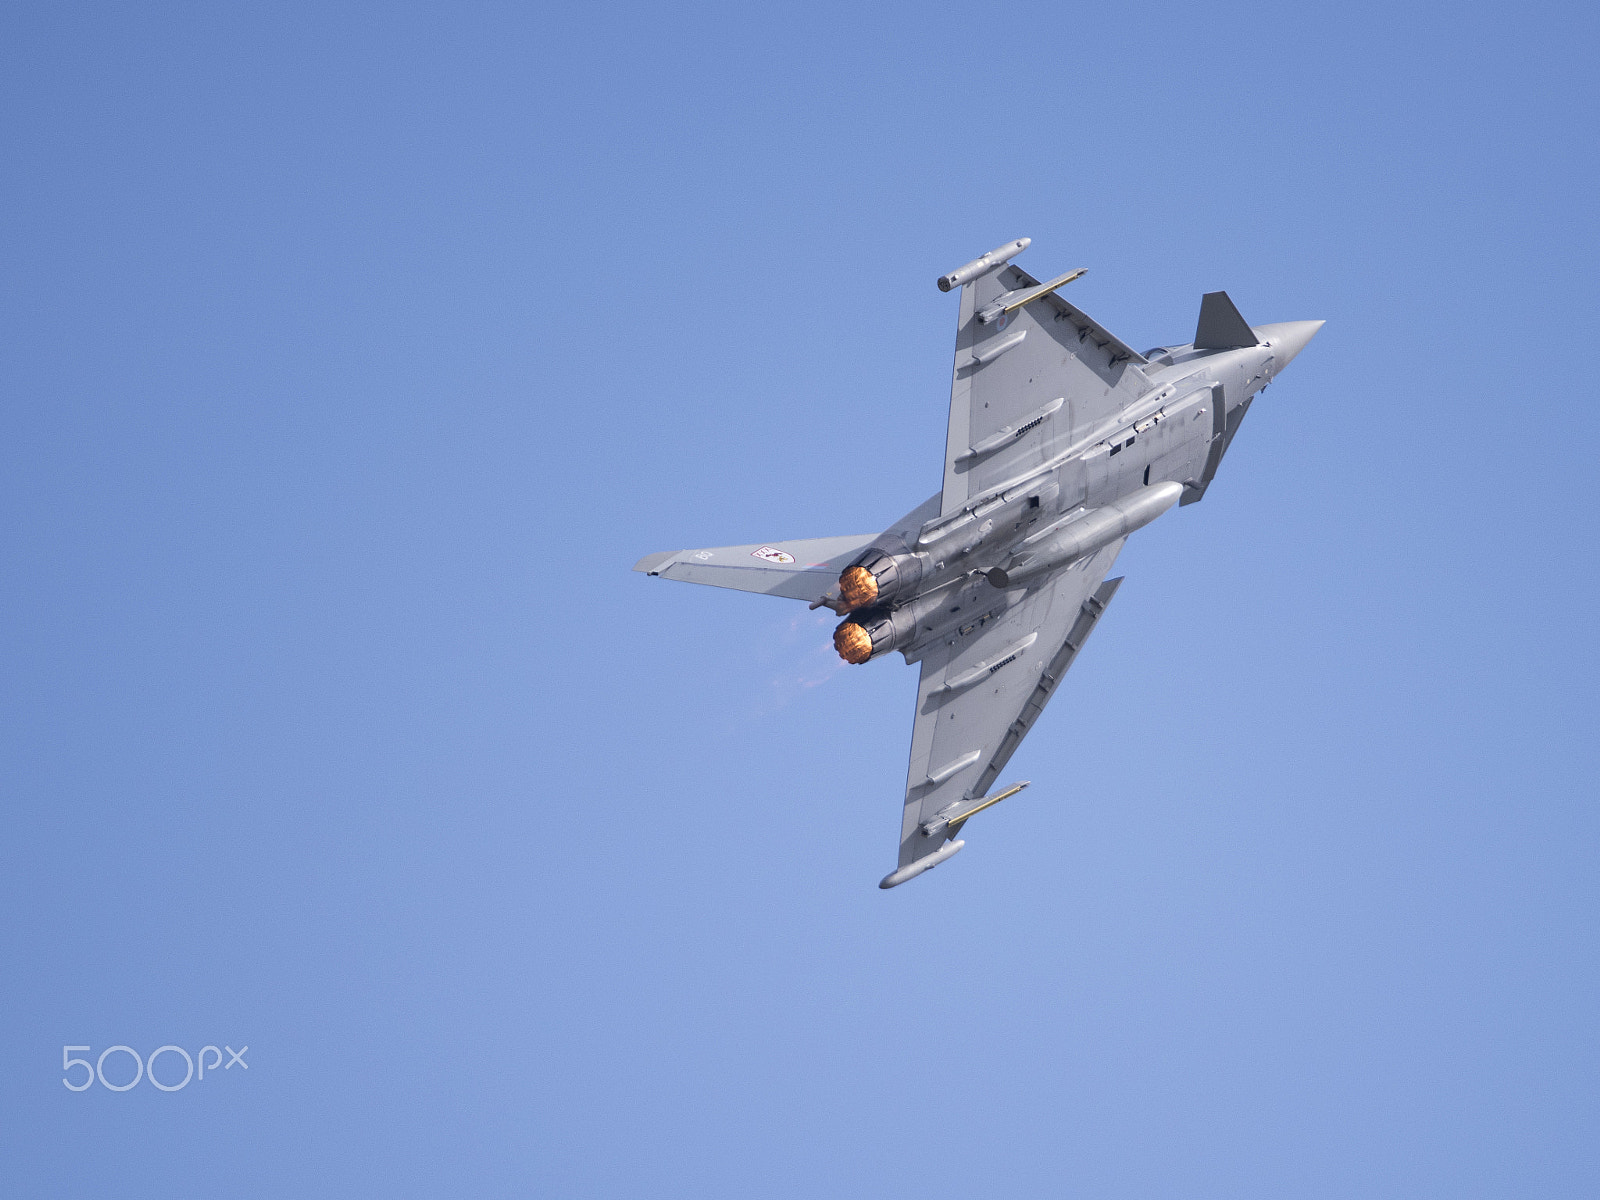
(878, 578)
(866, 635)
(858, 587)
(853, 643)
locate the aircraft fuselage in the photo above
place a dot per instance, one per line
(968, 567)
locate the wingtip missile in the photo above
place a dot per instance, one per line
(926, 863)
(983, 264)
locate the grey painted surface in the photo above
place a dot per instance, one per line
(1056, 427)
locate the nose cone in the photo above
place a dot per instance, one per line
(1286, 339)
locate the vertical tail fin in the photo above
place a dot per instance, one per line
(1221, 327)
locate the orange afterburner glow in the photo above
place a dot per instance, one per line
(852, 642)
(857, 587)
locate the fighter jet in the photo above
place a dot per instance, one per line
(1063, 440)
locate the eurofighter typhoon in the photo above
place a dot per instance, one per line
(1062, 442)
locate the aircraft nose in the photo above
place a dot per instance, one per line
(1286, 339)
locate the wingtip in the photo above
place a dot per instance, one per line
(651, 564)
(926, 863)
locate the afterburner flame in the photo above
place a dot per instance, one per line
(852, 642)
(857, 587)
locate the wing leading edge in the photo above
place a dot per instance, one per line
(798, 570)
(1032, 374)
(979, 695)
(802, 569)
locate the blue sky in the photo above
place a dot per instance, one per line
(354, 354)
